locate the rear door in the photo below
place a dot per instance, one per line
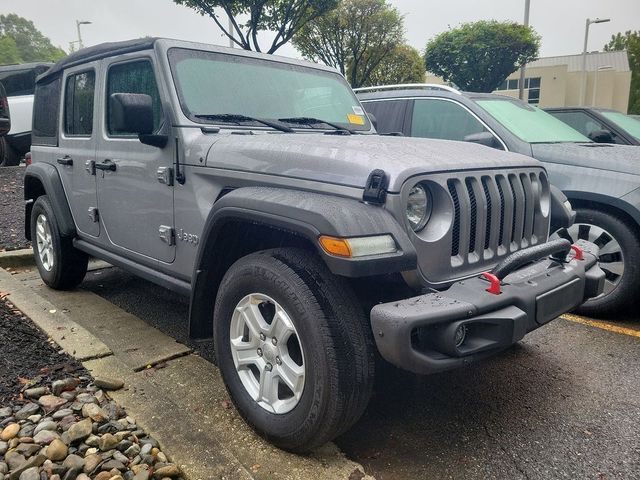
(77, 146)
(136, 209)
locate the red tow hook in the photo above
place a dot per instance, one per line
(494, 289)
(579, 254)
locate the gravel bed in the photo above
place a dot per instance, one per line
(59, 423)
(12, 209)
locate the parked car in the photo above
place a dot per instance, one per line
(601, 125)
(303, 240)
(19, 83)
(5, 116)
(601, 181)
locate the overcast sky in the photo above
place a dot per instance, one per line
(559, 22)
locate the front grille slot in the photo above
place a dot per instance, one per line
(494, 215)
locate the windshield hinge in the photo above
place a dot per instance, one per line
(375, 190)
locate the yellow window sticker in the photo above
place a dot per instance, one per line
(355, 119)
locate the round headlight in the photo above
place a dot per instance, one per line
(418, 207)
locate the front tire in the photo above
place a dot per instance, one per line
(294, 348)
(619, 258)
(61, 266)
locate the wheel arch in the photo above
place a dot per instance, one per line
(615, 206)
(43, 179)
(255, 218)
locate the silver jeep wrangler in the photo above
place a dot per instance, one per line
(257, 186)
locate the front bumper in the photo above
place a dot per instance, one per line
(423, 334)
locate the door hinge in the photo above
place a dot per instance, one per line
(167, 235)
(375, 190)
(93, 214)
(165, 175)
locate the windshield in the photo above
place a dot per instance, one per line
(530, 123)
(625, 122)
(211, 84)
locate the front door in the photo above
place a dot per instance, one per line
(136, 210)
(77, 147)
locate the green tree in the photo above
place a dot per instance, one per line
(354, 38)
(8, 51)
(31, 44)
(629, 41)
(284, 17)
(478, 56)
(404, 64)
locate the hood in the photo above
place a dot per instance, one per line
(613, 158)
(348, 160)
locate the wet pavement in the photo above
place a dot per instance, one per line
(563, 403)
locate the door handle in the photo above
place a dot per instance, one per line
(106, 165)
(66, 160)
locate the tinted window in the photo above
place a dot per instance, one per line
(45, 112)
(443, 119)
(581, 121)
(18, 82)
(134, 77)
(389, 114)
(78, 104)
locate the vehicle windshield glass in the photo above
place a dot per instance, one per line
(213, 83)
(625, 122)
(529, 123)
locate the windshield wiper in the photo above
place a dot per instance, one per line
(238, 119)
(315, 121)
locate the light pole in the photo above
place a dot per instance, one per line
(527, 4)
(78, 23)
(583, 87)
(595, 82)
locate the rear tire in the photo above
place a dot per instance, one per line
(61, 266)
(8, 156)
(336, 347)
(619, 258)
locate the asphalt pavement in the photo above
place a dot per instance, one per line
(563, 403)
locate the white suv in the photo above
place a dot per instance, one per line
(19, 82)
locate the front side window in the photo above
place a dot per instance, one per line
(134, 77)
(529, 123)
(625, 122)
(212, 86)
(78, 103)
(443, 119)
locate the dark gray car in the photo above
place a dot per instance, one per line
(602, 181)
(601, 125)
(256, 186)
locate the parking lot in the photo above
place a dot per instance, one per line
(563, 403)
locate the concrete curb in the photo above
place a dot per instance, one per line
(17, 258)
(184, 404)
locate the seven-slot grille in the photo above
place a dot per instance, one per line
(495, 214)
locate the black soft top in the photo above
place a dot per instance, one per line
(97, 52)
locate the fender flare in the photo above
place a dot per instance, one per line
(304, 214)
(48, 177)
(621, 203)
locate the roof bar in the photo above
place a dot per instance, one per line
(403, 86)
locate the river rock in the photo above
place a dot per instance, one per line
(45, 437)
(28, 449)
(103, 476)
(51, 402)
(64, 385)
(107, 442)
(35, 418)
(91, 462)
(46, 425)
(57, 450)
(171, 470)
(113, 464)
(30, 474)
(5, 412)
(63, 412)
(73, 461)
(36, 392)
(26, 411)
(132, 451)
(79, 431)
(94, 412)
(4, 446)
(9, 432)
(86, 398)
(109, 383)
(14, 459)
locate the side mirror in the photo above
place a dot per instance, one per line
(5, 117)
(601, 136)
(373, 119)
(131, 113)
(483, 138)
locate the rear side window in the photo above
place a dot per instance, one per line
(444, 120)
(46, 106)
(19, 82)
(78, 104)
(389, 114)
(134, 77)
